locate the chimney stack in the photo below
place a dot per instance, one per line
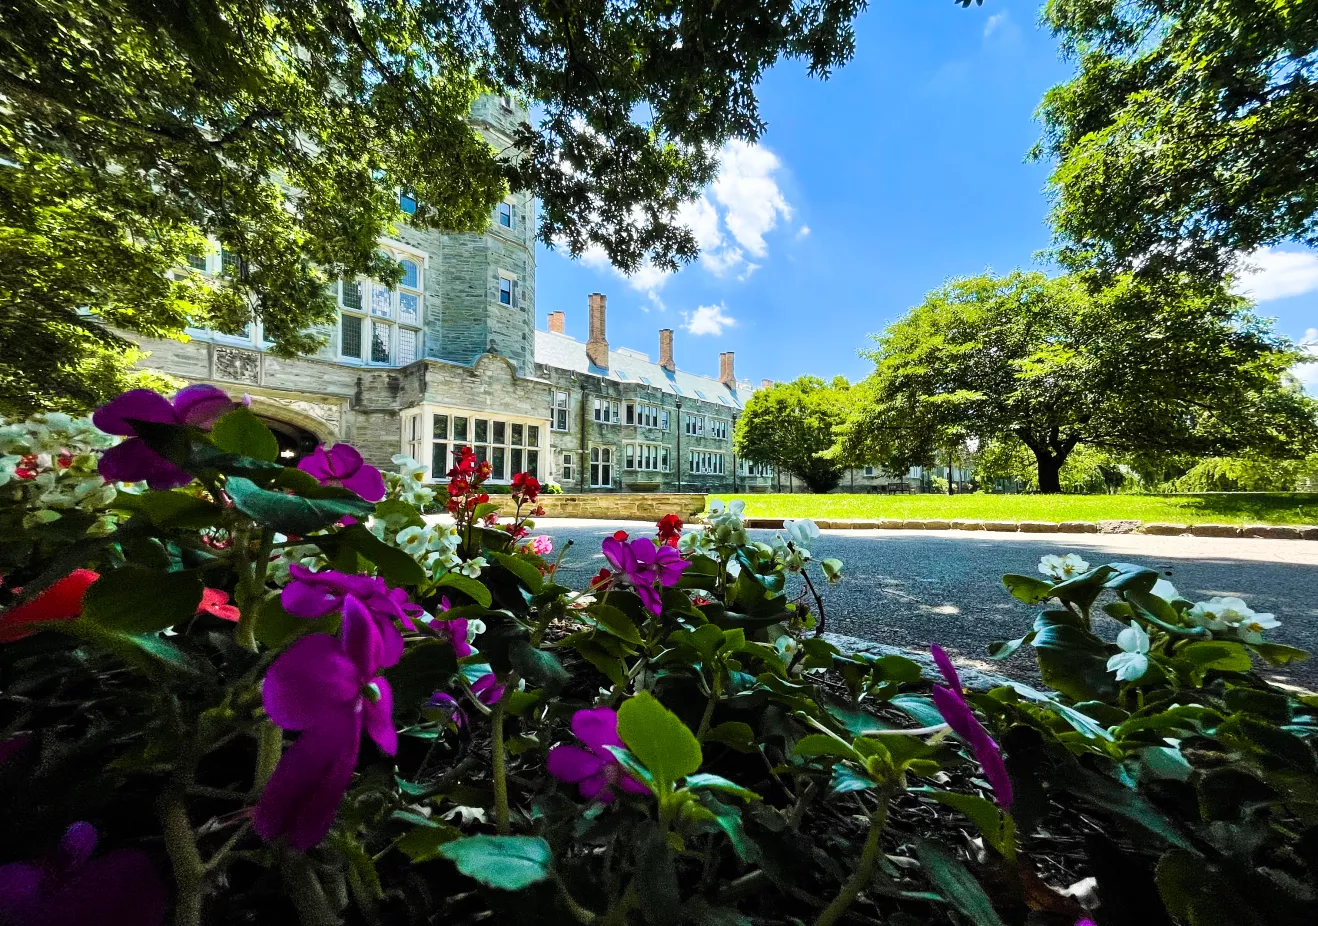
(597, 345)
(766, 384)
(556, 320)
(726, 376)
(666, 350)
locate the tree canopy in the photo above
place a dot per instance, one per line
(789, 426)
(135, 130)
(1166, 366)
(1189, 134)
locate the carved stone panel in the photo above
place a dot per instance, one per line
(239, 366)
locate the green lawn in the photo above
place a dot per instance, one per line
(1242, 508)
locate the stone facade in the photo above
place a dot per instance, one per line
(451, 357)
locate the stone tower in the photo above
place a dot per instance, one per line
(485, 297)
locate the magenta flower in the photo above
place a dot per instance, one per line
(487, 690)
(70, 888)
(328, 689)
(314, 594)
(455, 632)
(952, 705)
(595, 771)
(343, 466)
(643, 564)
(132, 460)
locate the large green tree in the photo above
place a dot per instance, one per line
(1189, 134)
(1141, 366)
(131, 131)
(789, 426)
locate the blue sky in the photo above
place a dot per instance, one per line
(867, 190)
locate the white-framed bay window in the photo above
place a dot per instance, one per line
(705, 463)
(510, 443)
(651, 458)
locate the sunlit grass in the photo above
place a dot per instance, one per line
(1223, 508)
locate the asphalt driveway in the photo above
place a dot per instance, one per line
(910, 588)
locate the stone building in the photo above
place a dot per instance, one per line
(451, 357)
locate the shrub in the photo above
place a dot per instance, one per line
(188, 671)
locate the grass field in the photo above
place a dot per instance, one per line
(1224, 508)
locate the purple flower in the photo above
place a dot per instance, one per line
(121, 888)
(952, 705)
(595, 770)
(315, 594)
(328, 689)
(487, 690)
(642, 564)
(342, 466)
(133, 460)
(455, 632)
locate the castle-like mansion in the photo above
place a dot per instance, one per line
(451, 357)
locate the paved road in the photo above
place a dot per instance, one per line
(907, 588)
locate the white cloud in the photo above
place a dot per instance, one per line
(994, 21)
(1271, 274)
(803, 232)
(708, 319)
(746, 188)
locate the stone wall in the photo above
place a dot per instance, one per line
(633, 507)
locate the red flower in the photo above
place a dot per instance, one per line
(61, 602)
(215, 601)
(670, 528)
(620, 536)
(526, 487)
(27, 467)
(65, 459)
(603, 576)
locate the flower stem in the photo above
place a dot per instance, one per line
(819, 602)
(709, 709)
(269, 747)
(498, 759)
(869, 857)
(251, 584)
(184, 857)
(306, 891)
(579, 913)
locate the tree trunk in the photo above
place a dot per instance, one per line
(1050, 469)
(951, 462)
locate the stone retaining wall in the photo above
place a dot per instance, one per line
(649, 506)
(1268, 531)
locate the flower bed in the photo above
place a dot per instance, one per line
(235, 691)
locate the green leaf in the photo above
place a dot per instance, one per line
(509, 863)
(1197, 895)
(1221, 655)
(1074, 662)
(956, 883)
(177, 510)
(422, 843)
(393, 565)
(468, 586)
(657, 737)
(734, 733)
(521, 567)
(1082, 590)
(1107, 796)
(1027, 588)
(821, 744)
(134, 599)
(396, 511)
(1278, 654)
(615, 622)
(148, 653)
(538, 666)
(424, 669)
(719, 783)
(845, 779)
(294, 514)
(998, 829)
(918, 707)
(241, 432)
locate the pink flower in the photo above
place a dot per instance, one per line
(315, 594)
(343, 466)
(455, 632)
(133, 460)
(952, 705)
(541, 545)
(487, 690)
(643, 564)
(327, 688)
(595, 771)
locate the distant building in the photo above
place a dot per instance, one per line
(450, 357)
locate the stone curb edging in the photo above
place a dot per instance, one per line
(1157, 528)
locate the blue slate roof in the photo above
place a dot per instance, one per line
(630, 366)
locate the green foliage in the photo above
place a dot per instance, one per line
(1246, 474)
(509, 863)
(791, 425)
(1007, 462)
(1186, 137)
(1135, 366)
(138, 133)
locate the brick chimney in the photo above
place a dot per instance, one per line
(597, 345)
(726, 376)
(766, 384)
(556, 320)
(666, 350)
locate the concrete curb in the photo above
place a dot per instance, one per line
(1158, 528)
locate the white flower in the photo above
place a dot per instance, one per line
(1133, 661)
(832, 570)
(726, 521)
(475, 627)
(413, 540)
(472, 567)
(1231, 614)
(1165, 590)
(801, 531)
(469, 815)
(1062, 568)
(689, 542)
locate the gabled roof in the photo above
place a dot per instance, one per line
(631, 366)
